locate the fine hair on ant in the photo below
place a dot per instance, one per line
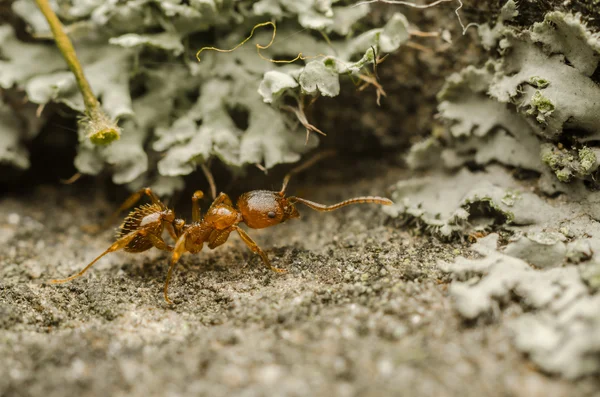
(143, 228)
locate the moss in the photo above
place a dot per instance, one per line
(587, 160)
(540, 105)
(550, 158)
(538, 82)
(564, 174)
(568, 163)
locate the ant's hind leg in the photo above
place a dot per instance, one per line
(159, 243)
(133, 199)
(128, 203)
(255, 248)
(119, 244)
(171, 231)
(177, 252)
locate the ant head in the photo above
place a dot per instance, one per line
(263, 208)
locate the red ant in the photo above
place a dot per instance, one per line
(144, 226)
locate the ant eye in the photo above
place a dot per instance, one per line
(271, 214)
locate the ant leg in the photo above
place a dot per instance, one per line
(135, 197)
(196, 215)
(117, 245)
(171, 231)
(130, 202)
(159, 243)
(177, 252)
(218, 237)
(222, 198)
(255, 248)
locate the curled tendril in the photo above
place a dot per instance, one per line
(260, 47)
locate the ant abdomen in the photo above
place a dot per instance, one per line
(145, 215)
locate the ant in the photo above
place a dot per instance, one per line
(144, 226)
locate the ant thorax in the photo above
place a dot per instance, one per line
(222, 216)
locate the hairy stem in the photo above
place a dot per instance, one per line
(100, 129)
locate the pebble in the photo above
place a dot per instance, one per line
(14, 218)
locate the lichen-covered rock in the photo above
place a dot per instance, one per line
(561, 335)
(448, 204)
(518, 107)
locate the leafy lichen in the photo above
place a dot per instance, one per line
(541, 107)
(587, 160)
(567, 164)
(538, 82)
(128, 48)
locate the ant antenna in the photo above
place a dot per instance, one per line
(333, 207)
(310, 162)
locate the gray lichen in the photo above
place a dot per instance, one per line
(561, 327)
(12, 135)
(451, 205)
(534, 107)
(523, 102)
(145, 46)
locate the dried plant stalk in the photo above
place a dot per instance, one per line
(99, 127)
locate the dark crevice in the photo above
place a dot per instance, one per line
(240, 116)
(51, 154)
(484, 210)
(596, 75)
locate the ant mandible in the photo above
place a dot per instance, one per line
(144, 226)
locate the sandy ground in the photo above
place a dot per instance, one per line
(363, 310)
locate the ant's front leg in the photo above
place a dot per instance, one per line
(255, 248)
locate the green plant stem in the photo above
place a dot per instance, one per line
(100, 128)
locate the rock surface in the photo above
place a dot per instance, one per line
(363, 310)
